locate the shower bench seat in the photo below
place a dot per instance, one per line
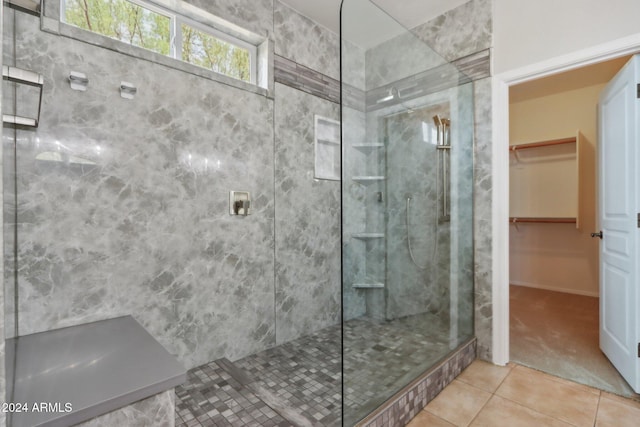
(67, 376)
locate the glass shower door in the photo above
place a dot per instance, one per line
(407, 189)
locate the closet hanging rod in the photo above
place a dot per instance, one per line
(517, 220)
(542, 143)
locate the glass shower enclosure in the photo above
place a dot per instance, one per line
(407, 206)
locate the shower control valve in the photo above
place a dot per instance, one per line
(239, 203)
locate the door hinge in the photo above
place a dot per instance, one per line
(639, 349)
(638, 88)
(638, 219)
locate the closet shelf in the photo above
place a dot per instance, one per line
(518, 220)
(374, 285)
(545, 182)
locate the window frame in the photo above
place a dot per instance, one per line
(175, 36)
(220, 35)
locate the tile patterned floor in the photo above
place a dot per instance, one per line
(299, 383)
(485, 395)
(301, 379)
(294, 384)
(373, 350)
(213, 397)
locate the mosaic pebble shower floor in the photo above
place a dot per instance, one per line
(299, 383)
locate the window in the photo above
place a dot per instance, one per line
(140, 24)
(208, 51)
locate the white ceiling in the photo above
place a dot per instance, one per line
(372, 27)
(591, 75)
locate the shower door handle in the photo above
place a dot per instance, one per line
(597, 234)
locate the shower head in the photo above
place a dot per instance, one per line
(437, 120)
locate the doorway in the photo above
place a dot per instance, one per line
(554, 263)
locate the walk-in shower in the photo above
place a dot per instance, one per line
(443, 144)
(407, 123)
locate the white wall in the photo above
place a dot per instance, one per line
(558, 256)
(527, 32)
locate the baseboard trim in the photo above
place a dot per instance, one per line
(554, 288)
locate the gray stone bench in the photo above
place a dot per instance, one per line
(111, 367)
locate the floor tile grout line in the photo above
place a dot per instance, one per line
(536, 410)
(559, 380)
(493, 394)
(486, 391)
(627, 401)
(481, 409)
(505, 378)
(595, 419)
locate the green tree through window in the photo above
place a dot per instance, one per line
(138, 26)
(205, 50)
(122, 20)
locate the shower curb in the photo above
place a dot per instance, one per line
(406, 404)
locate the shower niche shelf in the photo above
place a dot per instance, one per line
(368, 179)
(327, 149)
(373, 285)
(367, 236)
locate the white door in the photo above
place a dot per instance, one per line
(619, 204)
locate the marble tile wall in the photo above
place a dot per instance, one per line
(307, 213)
(412, 171)
(354, 217)
(293, 32)
(124, 203)
(389, 66)
(303, 78)
(483, 316)
(253, 15)
(9, 92)
(134, 218)
(2, 270)
(398, 58)
(459, 33)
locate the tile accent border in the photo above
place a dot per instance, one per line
(470, 68)
(292, 74)
(405, 405)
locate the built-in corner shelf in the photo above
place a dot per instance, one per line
(367, 236)
(544, 181)
(368, 179)
(368, 146)
(373, 285)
